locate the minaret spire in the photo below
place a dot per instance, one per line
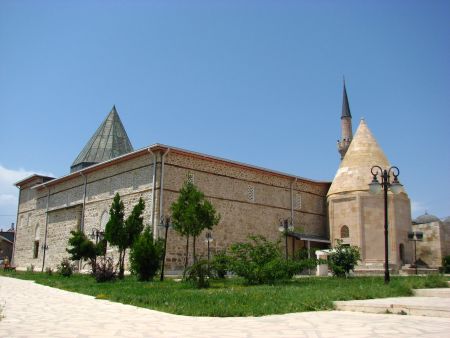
(346, 125)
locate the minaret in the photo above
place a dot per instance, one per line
(346, 126)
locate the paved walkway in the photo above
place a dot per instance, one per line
(33, 310)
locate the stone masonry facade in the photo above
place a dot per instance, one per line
(250, 200)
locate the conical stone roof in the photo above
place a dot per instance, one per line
(354, 171)
(109, 141)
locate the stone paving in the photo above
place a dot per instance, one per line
(32, 310)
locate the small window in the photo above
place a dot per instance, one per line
(345, 232)
(251, 193)
(36, 249)
(36, 241)
(190, 177)
(298, 201)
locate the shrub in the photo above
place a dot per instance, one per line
(446, 264)
(146, 255)
(104, 270)
(65, 268)
(260, 261)
(49, 271)
(343, 259)
(219, 264)
(198, 274)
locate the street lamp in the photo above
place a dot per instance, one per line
(208, 240)
(375, 187)
(165, 222)
(415, 236)
(98, 234)
(284, 227)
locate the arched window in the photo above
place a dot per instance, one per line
(345, 232)
(103, 220)
(36, 241)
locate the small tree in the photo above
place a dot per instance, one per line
(123, 233)
(191, 214)
(83, 248)
(343, 259)
(146, 255)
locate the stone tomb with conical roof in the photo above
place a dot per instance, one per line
(357, 217)
(109, 141)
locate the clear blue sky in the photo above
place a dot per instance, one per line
(253, 81)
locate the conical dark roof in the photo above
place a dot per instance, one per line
(345, 105)
(109, 141)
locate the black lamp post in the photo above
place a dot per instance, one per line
(165, 222)
(97, 234)
(284, 227)
(208, 240)
(385, 185)
(415, 236)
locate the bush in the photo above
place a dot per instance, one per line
(198, 274)
(104, 270)
(343, 259)
(65, 268)
(446, 264)
(219, 264)
(146, 255)
(260, 261)
(49, 271)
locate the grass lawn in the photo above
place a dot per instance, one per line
(231, 297)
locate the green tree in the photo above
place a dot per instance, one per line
(123, 233)
(343, 259)
(191, 214)
(82, 247)
(146, 255)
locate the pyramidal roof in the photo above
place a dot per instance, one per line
(354, 171)
(109, 141)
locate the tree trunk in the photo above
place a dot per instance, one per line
(193, 249)
(186, 262)
(121, 255)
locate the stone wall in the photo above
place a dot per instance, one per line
(430, 249)
(250, 202)
(131, 179)
(363, 213)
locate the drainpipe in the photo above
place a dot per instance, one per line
(292, 200)
(84, 202)
(80, 262)
(16, 231)
(161, 204)
(46, 226)
(153, 190)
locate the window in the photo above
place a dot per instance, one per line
(298, 201)
(36, 249)
(190, 177)
(345, 232)
(36, 241)
(103, 220)
(401, 250)
(251, 193)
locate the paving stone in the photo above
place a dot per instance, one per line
(33, 310)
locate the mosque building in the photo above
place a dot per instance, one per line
(251, 200)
